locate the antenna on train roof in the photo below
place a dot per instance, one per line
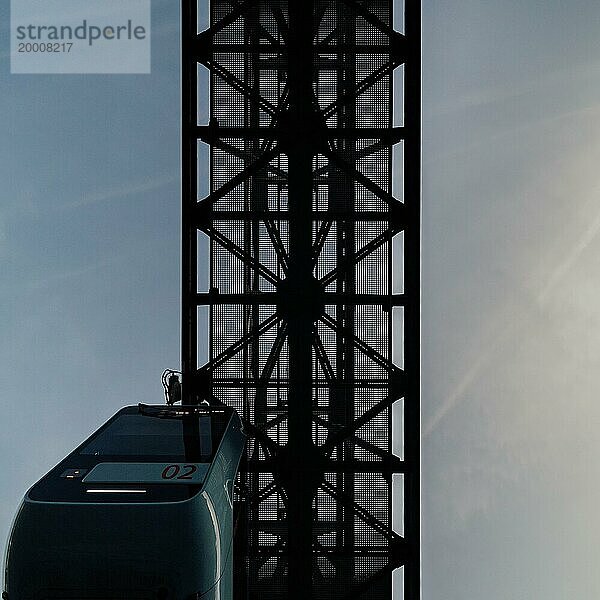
(172, 386)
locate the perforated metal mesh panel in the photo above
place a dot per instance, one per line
(346, 303)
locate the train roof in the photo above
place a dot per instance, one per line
(153, 445)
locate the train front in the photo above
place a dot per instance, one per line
(141, 510)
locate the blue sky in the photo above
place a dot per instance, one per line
(511, 319)
(89, 280)
(89, 248)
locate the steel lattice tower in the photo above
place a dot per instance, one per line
(301, 215)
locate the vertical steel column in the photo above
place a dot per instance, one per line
(412, 295)
(342, 197)
(298, 287)
(189, 198)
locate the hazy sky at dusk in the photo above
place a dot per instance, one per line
(89, 280)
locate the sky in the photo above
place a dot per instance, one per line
(89, 280)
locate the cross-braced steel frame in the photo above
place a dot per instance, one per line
(303, 206)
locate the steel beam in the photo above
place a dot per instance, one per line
(301, 216)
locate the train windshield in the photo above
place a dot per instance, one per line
(142, 435)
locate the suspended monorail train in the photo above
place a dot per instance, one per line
(141, 510)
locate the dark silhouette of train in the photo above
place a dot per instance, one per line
(141, 510)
